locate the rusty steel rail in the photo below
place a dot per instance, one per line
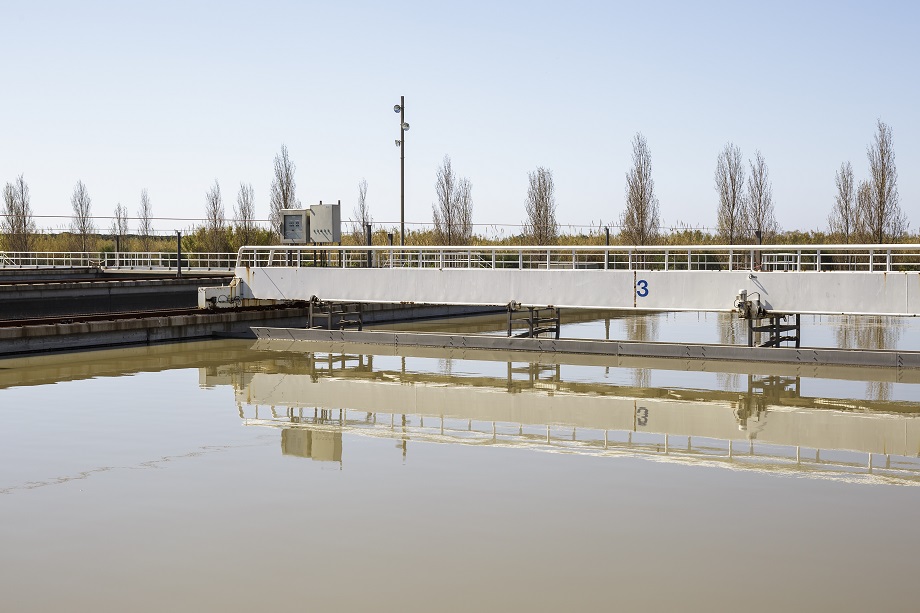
(76, 319)
(20, 283)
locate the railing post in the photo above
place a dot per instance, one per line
(521, 259)
(689, 260)
(818, 261)
(798, 260)
(630, 260)
(573, 260)
(871, 260)
(493, 259)
(665, 259)
(731, 259)
(888, 263)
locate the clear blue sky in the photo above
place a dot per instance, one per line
(173, 95)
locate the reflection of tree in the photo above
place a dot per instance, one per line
(870, 332)
(732, 331)
(643, 328)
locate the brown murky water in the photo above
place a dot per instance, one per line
(237, 477)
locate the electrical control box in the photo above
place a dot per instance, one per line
(325, 223)
(295, 226)
(321, 223)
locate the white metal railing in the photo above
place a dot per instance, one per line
(800, 258)
(118, 261)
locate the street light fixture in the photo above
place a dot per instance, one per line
(401, 143)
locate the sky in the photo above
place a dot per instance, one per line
(173, 96)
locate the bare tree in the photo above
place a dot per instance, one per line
(362, 214)
(120, 226)
(453, 213)
(283, 188)
(885, 221)
(730, 185)
(863, 211)
(244, 214)
(215, 235)
(81, 223)
(761, 218)
(145, 217)
(639, 222)
(17, 225)
(843, 222)
(541, 227)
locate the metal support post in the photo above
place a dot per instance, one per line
(178, 253)
(402, 171)
(607, 250)
(368, 239)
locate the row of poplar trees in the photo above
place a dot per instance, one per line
(867, 211)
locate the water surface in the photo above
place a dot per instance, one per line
(238, 476)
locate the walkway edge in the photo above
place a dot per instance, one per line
(802, 356)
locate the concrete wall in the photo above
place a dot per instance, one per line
(76, 336)
(110, 296)
(880, 293)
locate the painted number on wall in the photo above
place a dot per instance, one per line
(642, 416)
(641, 288)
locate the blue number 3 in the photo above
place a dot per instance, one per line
(642, 288)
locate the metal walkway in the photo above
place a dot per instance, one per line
(804, 279)
(127, 261)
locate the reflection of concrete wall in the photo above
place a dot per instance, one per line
(318, 445)
(813, 428)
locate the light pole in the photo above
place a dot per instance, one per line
(401, 143)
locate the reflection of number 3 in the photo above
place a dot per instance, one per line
(642, 286)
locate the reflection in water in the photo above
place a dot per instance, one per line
(643, 328)
(314, 444)
(732, 331)
(870, 332)
(768, 427)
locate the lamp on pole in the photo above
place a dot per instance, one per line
(401, 143)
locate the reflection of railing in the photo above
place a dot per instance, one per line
(117, 260)
(747, 454)
(876, 258)
(780, 391)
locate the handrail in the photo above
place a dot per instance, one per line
(543, 248)
(767, 258)
(118, 260)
